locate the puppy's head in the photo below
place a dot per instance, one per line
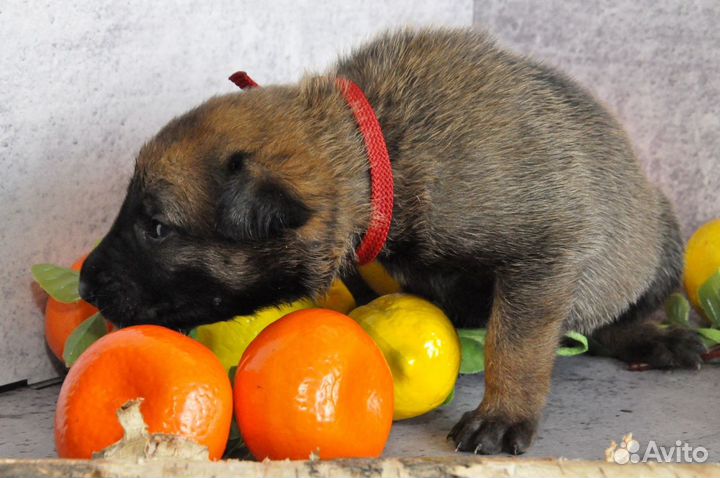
(231, 208)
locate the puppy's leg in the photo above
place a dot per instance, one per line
(528, 310)
(465, 298)
(643, 341)
(360, 290)
(634, 337)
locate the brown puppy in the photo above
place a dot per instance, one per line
(518, 200)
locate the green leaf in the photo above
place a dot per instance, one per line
(234, 431)
(449, 398)
(84, 335)
(472, 342)
(193, 333)
(710, 299)
(580, 347)
(475, 334)
(235, 448)
(711, 337)
(232, 371)
(677, 310)
(59, 282)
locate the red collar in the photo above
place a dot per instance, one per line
(381, 174)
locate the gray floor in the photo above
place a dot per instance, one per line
(593, 401)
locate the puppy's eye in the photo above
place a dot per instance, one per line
(237, 161)
(157, 230)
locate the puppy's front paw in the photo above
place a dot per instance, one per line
(488, 435)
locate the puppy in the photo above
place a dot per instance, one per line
(518, 202)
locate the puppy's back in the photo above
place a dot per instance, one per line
(500, 157)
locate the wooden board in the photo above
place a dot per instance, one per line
(457, 466)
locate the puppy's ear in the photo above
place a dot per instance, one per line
(258, 209)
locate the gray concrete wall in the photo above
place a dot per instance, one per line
(84, 83)
(654, 63)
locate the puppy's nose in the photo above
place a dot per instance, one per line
(87, 292)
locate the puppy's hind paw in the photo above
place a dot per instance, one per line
(674, 348)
